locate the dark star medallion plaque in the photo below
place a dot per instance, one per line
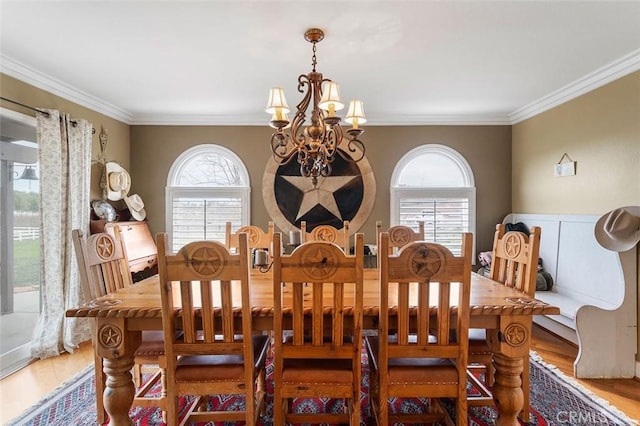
(347, 194)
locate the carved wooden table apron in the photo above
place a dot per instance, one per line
(122, 316)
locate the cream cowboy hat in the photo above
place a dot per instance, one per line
(136, 207)
(118, 181)
(619, 229)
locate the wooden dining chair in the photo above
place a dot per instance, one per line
(515, 264)
(327, 233)
(421, 347)
(401, 235)
(258, 238)
(205, 294)
(318, 291)
(104, 269)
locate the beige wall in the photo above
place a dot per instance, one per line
(118, 142)
(486, 148)
(601, 132)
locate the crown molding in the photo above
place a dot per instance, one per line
(42, 81)
(199, 120)
(438, 119)
(617, 69)
(372, 120)
(598, 78)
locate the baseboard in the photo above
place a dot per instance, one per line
(637, 370)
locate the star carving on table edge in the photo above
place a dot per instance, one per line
(110, 336)
(322, 194)
(515, 334)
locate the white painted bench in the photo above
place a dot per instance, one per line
(594, 288)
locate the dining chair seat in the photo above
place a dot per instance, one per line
(329, 372)
(152, 343)
(215, 368)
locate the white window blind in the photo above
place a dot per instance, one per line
(208, 186)
(434, 184)
(197, 219)
(444, 218)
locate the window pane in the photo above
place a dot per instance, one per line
(445, 218)
(200, 218)
(19, 239)
(431, 170)
(209, 169)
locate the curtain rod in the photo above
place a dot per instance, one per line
(25, 106)
(75, 123)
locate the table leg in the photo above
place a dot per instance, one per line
(119, 390)
(507, 389)
(117, 345)
(509, 344)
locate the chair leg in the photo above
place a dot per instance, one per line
(383, 408)
(278, 407)
(462, 416)
(489, 374)
(262, 392)
(172, 409)
(99, 377)
(137, 375)
(354, 404)
(526, 408)
(250, 414)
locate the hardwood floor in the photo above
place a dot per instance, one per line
(29, 385)
(22, 389)
(624, 394)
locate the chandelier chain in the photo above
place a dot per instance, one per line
(314, 61)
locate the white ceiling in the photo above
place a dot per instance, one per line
(411, 62)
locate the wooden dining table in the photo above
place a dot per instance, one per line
(122, 316)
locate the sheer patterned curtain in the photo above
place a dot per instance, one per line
(65, 165)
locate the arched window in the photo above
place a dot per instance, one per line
(434, 183)
(207, 186)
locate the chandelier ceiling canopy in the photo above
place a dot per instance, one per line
(316, 144)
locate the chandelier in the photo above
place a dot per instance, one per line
(315, 145)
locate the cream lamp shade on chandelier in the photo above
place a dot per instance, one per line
(315, 145)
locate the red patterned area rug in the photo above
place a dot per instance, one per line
(555, 400)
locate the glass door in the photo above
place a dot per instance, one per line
(19, 239)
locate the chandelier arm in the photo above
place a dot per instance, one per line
(326, 170)
(354, 146)
(331, 142)
(279, 143)
(297, 124)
